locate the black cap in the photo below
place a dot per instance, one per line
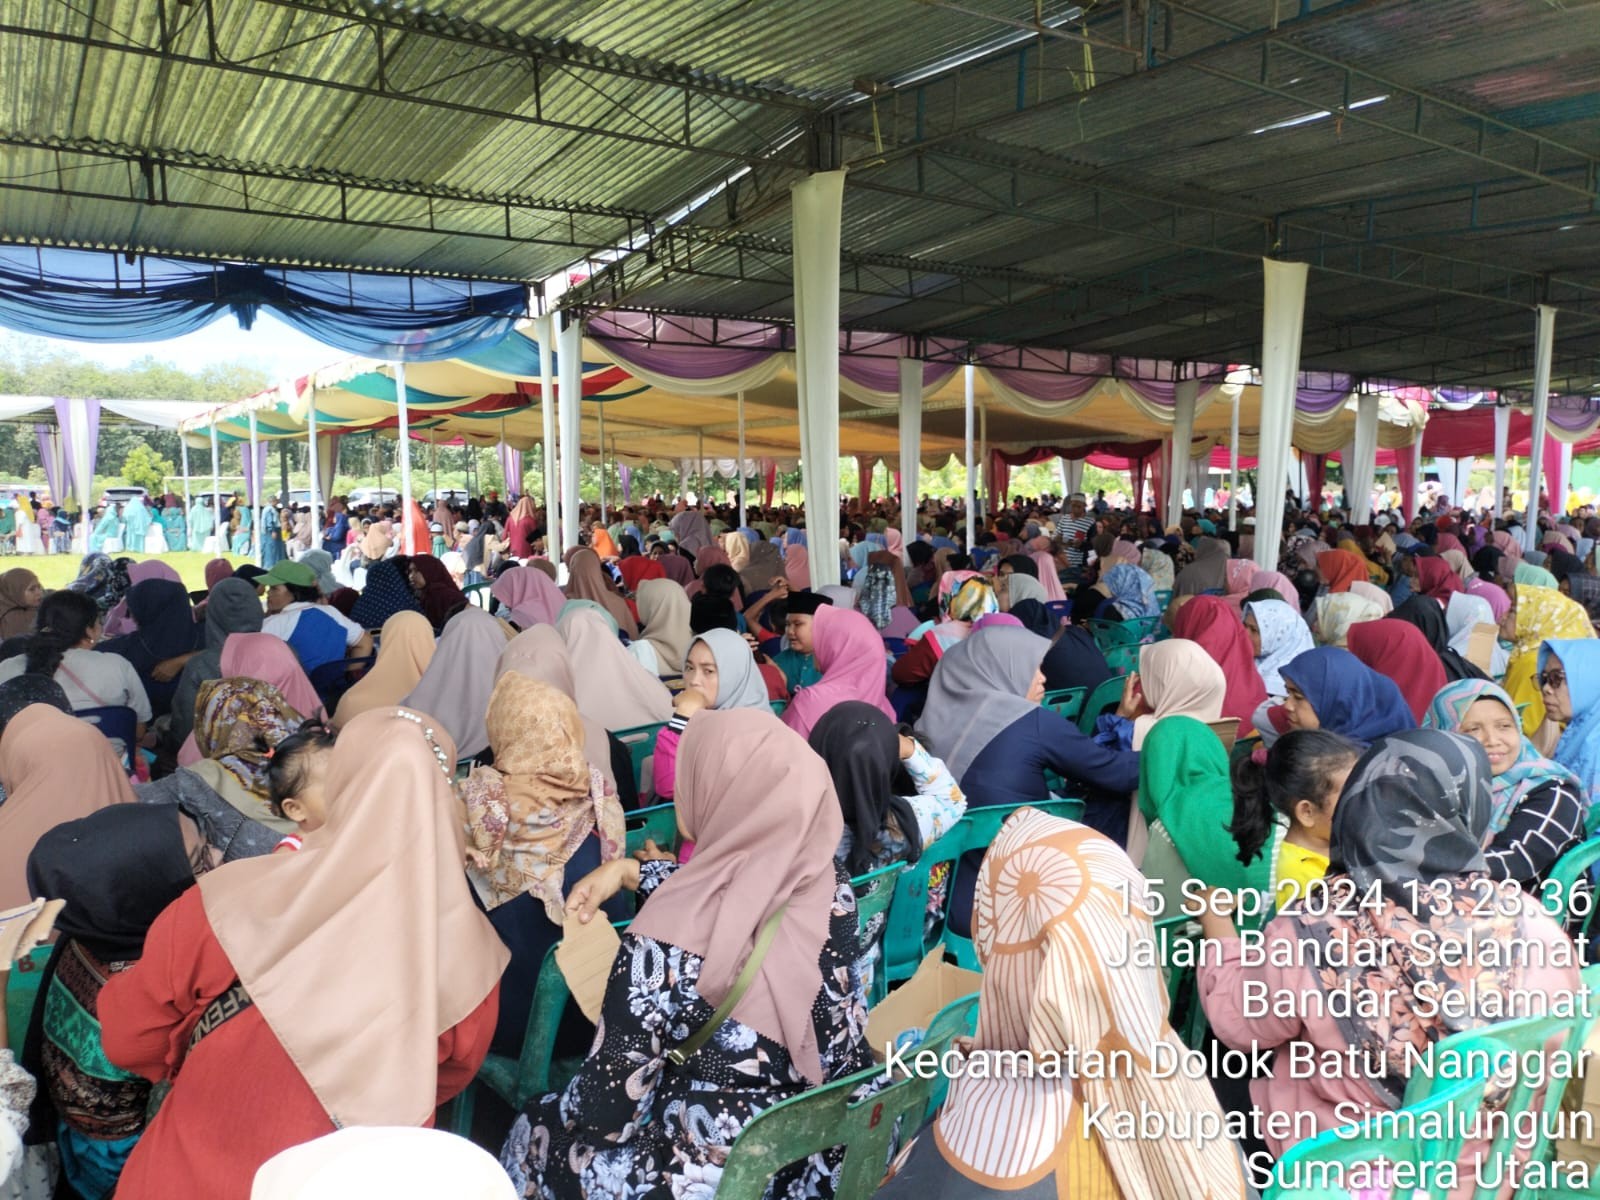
(805, 603)
(249, 572)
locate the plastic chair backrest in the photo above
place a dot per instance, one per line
(1067, 702)
(1110, 634)
(641, 743)
(1124, 659)
(21, 994)
(1560, 886)
(659, 824)
(1227, 731)
(1330, 1165)
(1059, 610)
(1164, 598)
(874, 890)
(827, 1116)
(119, 724)
(1106, 696)
(478, 594)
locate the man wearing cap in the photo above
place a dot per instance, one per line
(316, 632)
(1073, 528)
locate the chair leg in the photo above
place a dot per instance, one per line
(456, 1116)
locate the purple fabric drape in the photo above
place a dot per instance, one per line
(81, 437)
(883, 374)
(255, 470)
(686, 347)
(626, 474)
(53, 453)
(511, 469)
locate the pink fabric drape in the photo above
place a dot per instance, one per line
(1405, 465)
(1316, 479)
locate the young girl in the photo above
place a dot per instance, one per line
(295, 780)
(1297, 786)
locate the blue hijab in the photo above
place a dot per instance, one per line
(1348, 696)
(387, 591)
(1132, 591)
(1579, 747)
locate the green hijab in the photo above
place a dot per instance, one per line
(1534, 576)
(1183, 783)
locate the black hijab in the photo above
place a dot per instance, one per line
(22, 690)
(862, 749)
(1074, 661)
(1033, 616)
(1425, 613)
(1021, 564)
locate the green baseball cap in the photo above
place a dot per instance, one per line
(291, 573)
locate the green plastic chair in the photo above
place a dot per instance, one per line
(1068, 702)
(1106, 697)
(1163, 599)
(21, 992)
(825, 1117)
(658, 823)
(641, 743)
(874, 891)
(472, 592)
(1319, 1167)
(1571, 867)
(778, 706)
(1123, 659)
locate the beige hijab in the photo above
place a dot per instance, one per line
(664, 609)
(1178, 678)
(737, 547)
(586, 580)
(528, 814)
(613, 686)
(55, 768)
(765, 821)
(541, 654)
(405, 648)
(365, 947)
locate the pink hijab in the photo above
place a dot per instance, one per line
(1279, 583)
(217, 570)
(797, 567)
(530, 594)
(849, 652)
(118, 622)
(1049, 579)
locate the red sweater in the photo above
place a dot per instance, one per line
(239, 1099)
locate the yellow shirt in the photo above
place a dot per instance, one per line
(1297, 868)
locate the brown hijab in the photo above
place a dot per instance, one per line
(366, 946)
(765, 820)
(55, 768)
(540, 653)
(586, 580)
(16, 615)
(405, 648)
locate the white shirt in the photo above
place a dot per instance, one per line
(92, 679)
(282, 624)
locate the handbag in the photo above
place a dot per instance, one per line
(682, 1053)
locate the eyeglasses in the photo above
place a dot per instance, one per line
(1552, 679)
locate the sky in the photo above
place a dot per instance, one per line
(276, 347)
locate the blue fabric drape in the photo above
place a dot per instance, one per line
(98, 296)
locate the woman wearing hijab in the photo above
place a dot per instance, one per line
(1333, 615)
(1212, 623)
(1132, 592)
(983, 718)
(166, 631)
(1435, 578)
(1430, 619)
(538, 821)
(965, 596)
(103, 580)
(1539, 808)
(1278, 634)
(763, 569)
(387, 591)
(850, 655)
(689, 530)
(116, 869)
(1536, 615)
(435, 590)
(664, 614)
(1398, 650)
(1464, 614)
(54, 768)
(231, 607)
(587, 581)
(1420, 949)
(1175, 678)
(1048, 989)
(456, 683)
(636, 569)
(1208, 573)
(765, 821)
(737, 548)
(1157, 564)
(719, 673)
(1329, 688)
(1022, 597)
(289, 967)
(1339, 569)
(531, 596)
(118, 620)
(613, 687)
(20, 594)
(1073, 660)
(405, 649)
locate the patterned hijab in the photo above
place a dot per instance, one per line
(1529, 771)
(1410, 823)
(387, 591)
(1132, 591)
(1284, 636)
(1050, 912)
(238, 722)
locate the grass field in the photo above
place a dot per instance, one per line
(58, 570)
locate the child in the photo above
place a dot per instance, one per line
(295, 780)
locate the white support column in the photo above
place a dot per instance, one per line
(1073, 474)
(183, 448)
(969, 373)
(544, 332)
(1543, 346)
(311, 461)
(1282, 319)
(987, 501)
(700, 469)
(602, 448)
(1365, 452)
(742, 520)
(816, 203)
(569, 360)
(1559, 486)
(216, 491)
(1183, 405)
(253, 487)
(405, 454)
(1061, 467)
(1233, 460)
(1502, 435)
(910, 446)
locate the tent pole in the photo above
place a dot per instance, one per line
(700, 470)
(216, 487)
(254, 487)
(183, 446)
(546, 331)
(742, 521)
(433, 450)
(311, 461)
(405, 453)
(972, 496)
(1233, 469)
(377, 453)
(601, 405)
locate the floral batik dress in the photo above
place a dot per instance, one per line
(631, 1126)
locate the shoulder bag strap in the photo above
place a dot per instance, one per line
(681, 1054)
